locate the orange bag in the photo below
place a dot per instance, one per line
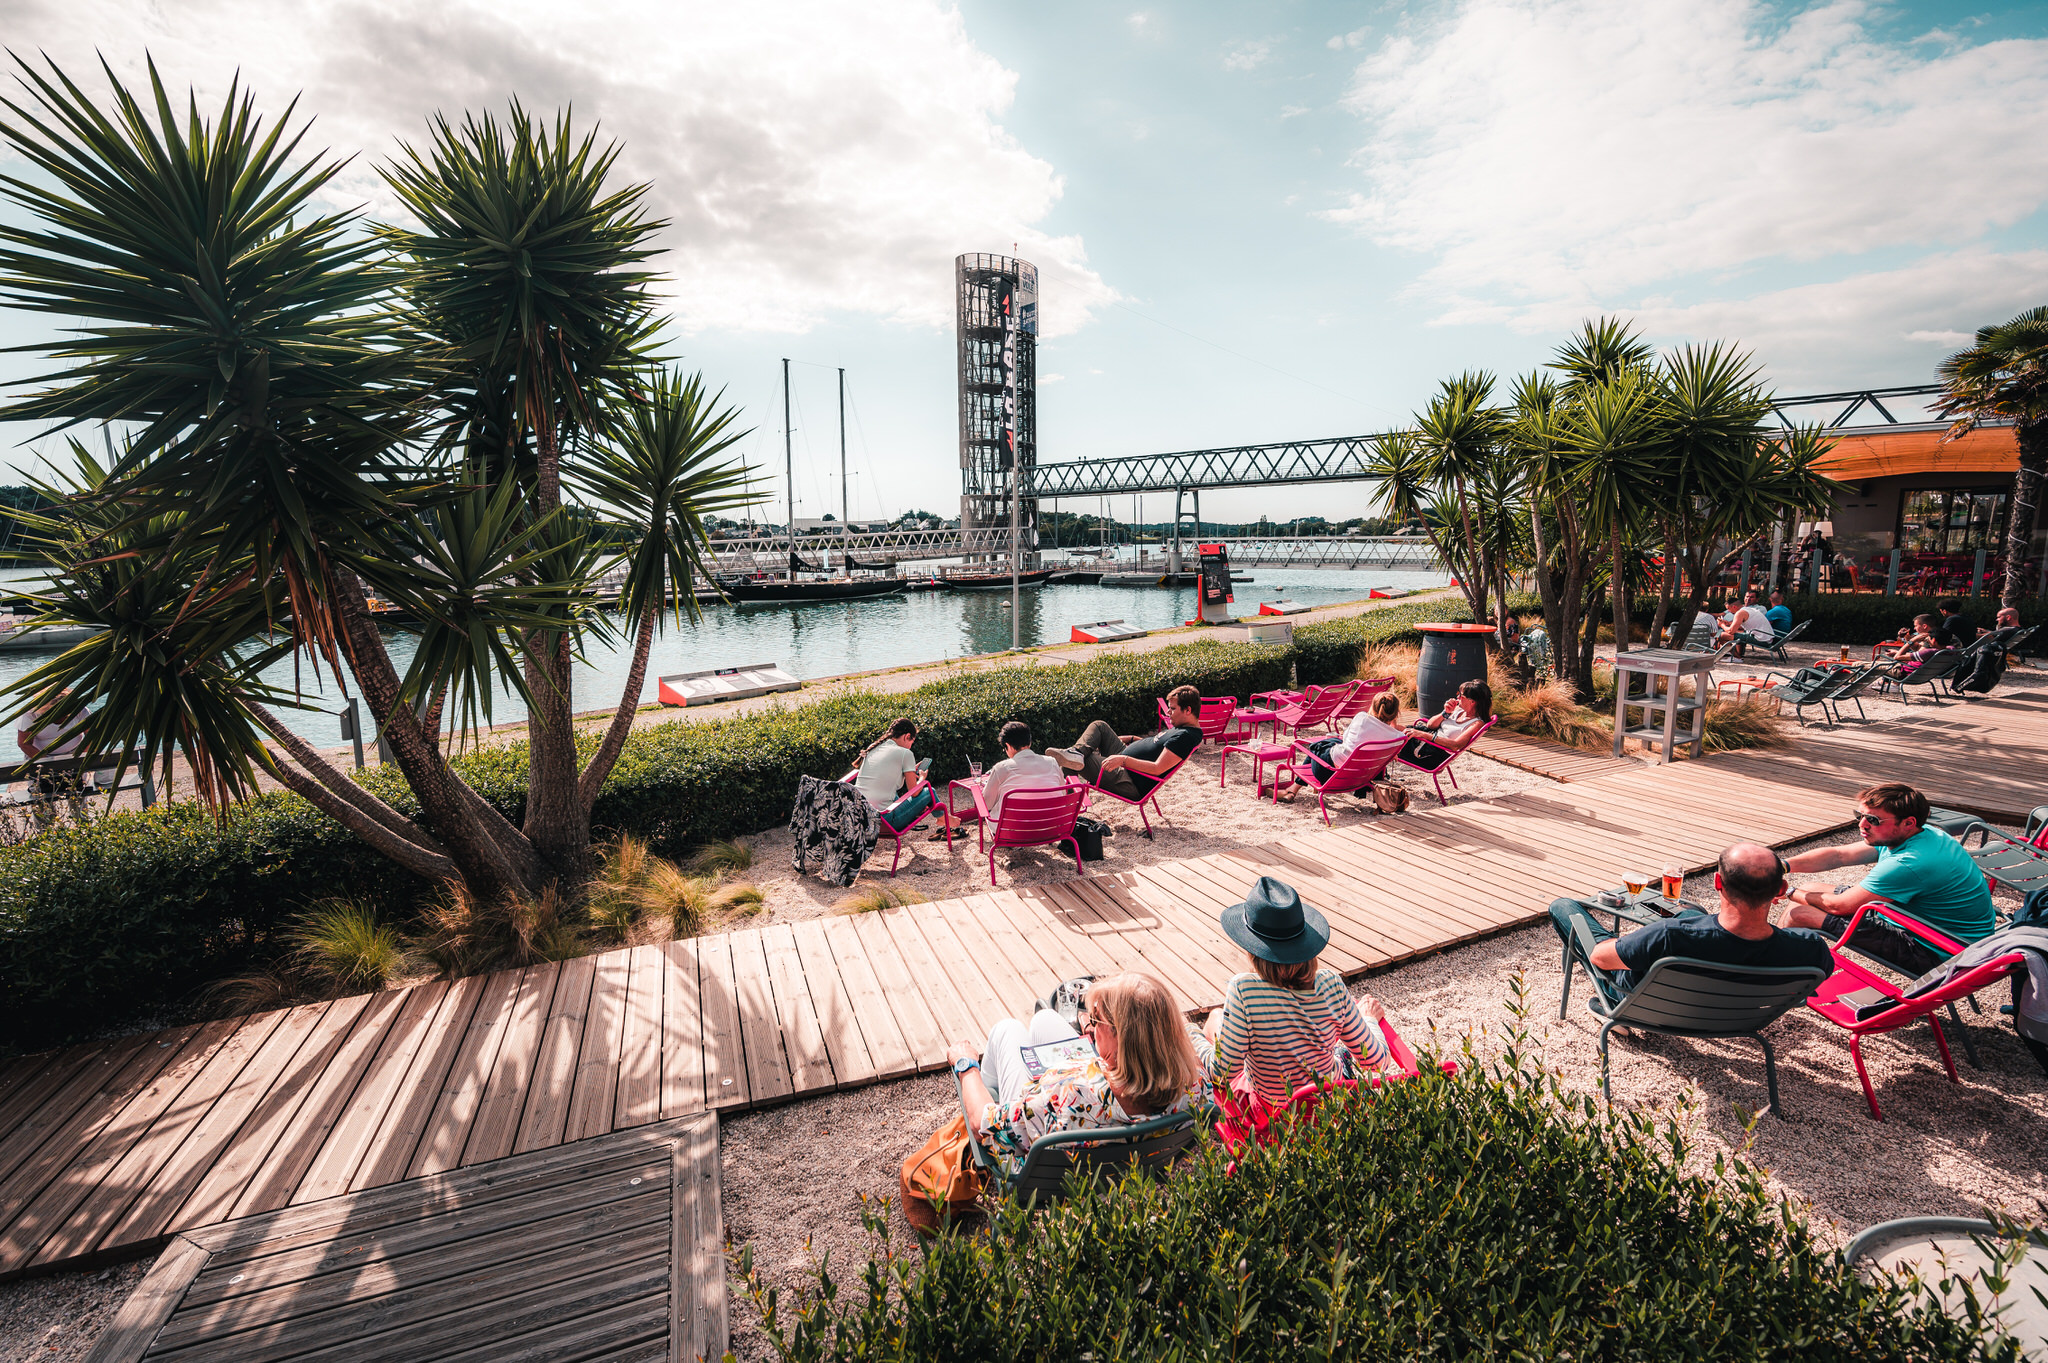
(938, 1180)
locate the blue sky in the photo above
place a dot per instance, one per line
(1254, 222)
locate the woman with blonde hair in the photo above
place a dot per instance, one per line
(1376, 721)
(1148, 1061)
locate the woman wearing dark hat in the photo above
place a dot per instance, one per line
(1288, 1022)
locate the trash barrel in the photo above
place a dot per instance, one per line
(1451, 656)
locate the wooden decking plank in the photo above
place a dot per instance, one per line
(697, 1295)
(1090, 935)
(803, 1035)
(1042, 931)
(1063, 915)
(1194, 894)
(1380, 912)
(221, 1185)
(554, 1068)
(768, 1075)
(34, 1081)
(639, 1095)
(924, 1031)
(718, 1003)
(1414, 888)
(393, 1206)
(514, 1070)
(462, 1090)
(82, 1095)
(942, 997)
(1184, 936)
(394, 1145)
(141, 1316)
(1131, 934)
(962, 972)
(1007, 984)
(597, 1058)
(868, 1005)
(682, 1033)
(845, 1044)
(149, 1130)
(348, 1103)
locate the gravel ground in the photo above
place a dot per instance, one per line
(1942, 1150)
(59, 1318)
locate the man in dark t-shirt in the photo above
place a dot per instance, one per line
(1134, 767)
(1750, 878)
(1955, 630)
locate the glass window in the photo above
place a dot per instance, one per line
(1945, 521)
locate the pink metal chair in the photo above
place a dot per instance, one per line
(1034, 818)
(897, 835)
(1315, 707)
(1850, 977)
(1443, 769)
(1150, 797)
(1247, 1120)
(1368, 687)
(1360, 769)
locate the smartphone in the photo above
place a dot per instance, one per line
(925, 765)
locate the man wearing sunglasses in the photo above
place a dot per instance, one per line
(1921, 870)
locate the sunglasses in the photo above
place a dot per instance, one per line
(1867, 820)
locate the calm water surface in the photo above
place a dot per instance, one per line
(829, 639)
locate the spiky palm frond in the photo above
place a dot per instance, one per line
(1601, 352)
(2005, 374)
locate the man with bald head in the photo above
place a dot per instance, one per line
(1750, 878)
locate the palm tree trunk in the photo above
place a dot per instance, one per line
(614, 741)
(2026, 504)
(1668, 588)
(1617, 588)
(557, 821)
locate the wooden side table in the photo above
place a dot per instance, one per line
(1652, 680)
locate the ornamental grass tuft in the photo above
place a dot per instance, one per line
(1486, 1214)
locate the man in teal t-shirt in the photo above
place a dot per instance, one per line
(1780, 614)
(1921, 871)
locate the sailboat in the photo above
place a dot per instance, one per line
(795, 589)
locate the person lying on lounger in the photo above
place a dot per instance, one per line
(1325, 755)
(1133, 767)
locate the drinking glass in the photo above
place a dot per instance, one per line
(1674, 881)
(1635, 881)
(974, 768)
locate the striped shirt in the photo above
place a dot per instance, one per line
(1281, 1039)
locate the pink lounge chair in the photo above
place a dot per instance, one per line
(1219, 718)
(1445, 769)
(1036, 817)
(1360, 769)
(1246, 1121)
(1315, 707)
(889, 832)
(1150, 797)
(1368, 687)
(1850, 977)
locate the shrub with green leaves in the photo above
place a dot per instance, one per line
(106, 921)
(1481, 1215)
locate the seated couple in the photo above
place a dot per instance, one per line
(1130, 767)
(1750, 623)
(1286, 1023)
(893, 780)
(1917, 646)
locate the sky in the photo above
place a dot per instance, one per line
(1252, 222)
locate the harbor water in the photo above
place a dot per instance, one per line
(835, 638)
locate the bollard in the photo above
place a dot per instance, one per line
(1745, 574)
(1977, 576)
(1891, 577)
(352, 727)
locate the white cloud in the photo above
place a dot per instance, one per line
(1292, 111)
(1248, 54)
(812, 158)
(1044, 379)
(1557, 157)
(1355, 38)
(1948, 338)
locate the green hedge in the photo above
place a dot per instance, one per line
(1866, 617)
(1481, 1215)
(128, 915)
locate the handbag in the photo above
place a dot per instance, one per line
(1389, 797)
(938, 1181)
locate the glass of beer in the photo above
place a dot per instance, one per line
(1845, 653)
(1636, 881)
(974, 769)
(1674, 881)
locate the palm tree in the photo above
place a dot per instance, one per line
(2005, 376)
(320, 414)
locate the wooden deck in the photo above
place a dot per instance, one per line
(1545, 758)
(609, 1249)
(108, 1148)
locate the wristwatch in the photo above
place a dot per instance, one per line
(963, 1064)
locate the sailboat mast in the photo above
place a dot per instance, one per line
(789, 470)
(845, 514)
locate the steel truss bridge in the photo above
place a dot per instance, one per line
(1343, 459)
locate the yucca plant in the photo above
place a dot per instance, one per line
(319, 414)
(2005, 375)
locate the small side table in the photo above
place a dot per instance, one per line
(1260, 754)
(1252, 719)
(1652, 680)
(1742, 684)
(972, 785)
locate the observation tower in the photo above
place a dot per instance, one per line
(998, 347)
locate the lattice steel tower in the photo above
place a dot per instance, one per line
(998, 301)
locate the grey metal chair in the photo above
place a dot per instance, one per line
(1808, 686)
(1776, 647)
(1092, 1153)
(1933, 674)
(1861, 680)
(1681, 996)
